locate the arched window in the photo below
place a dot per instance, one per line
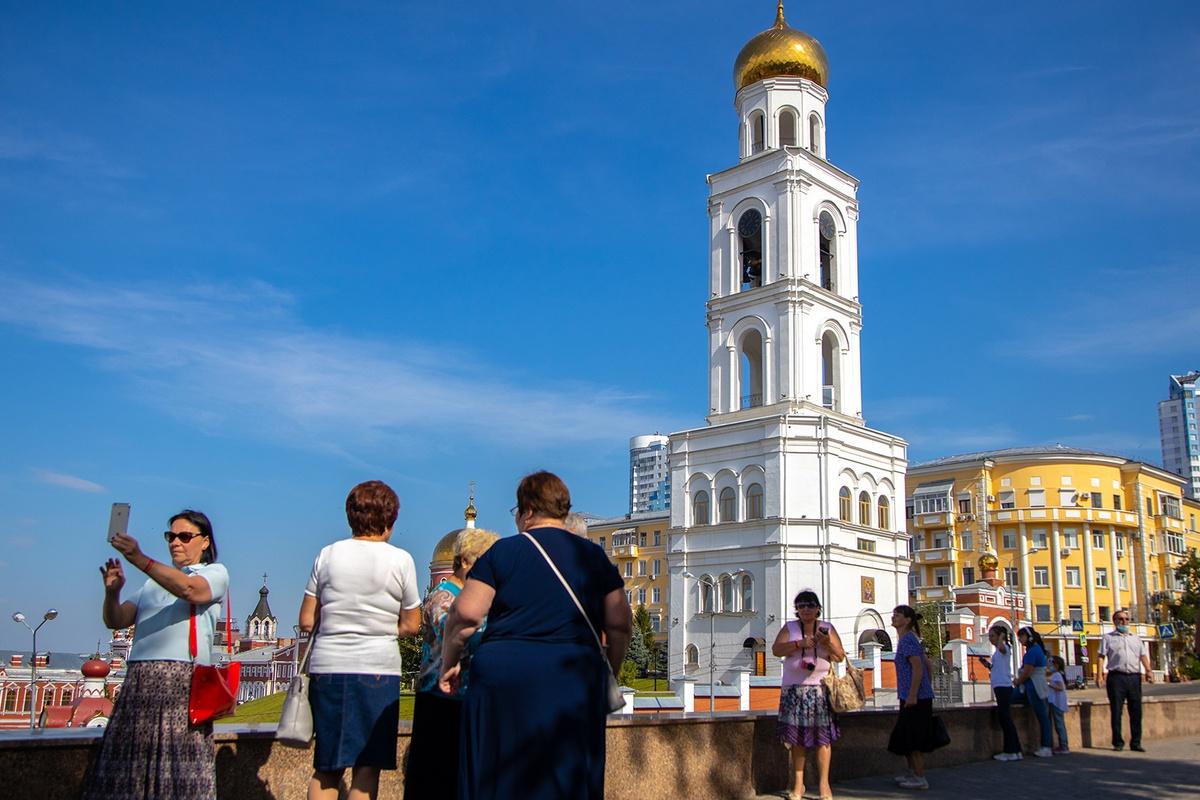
(844, 504)
(750, 371)
(691, 656)
(864, 508)
(707, 594)
(749, 232)
(68, 694)
(10, 699)
(831, 368)
(787, 128)
(727, 505)
(885, 513)
(757, 132)
(827, 234)
(754, 501)
(700, 508)
(48, 697)
(814, 135)
(727, 597)
(747, 593)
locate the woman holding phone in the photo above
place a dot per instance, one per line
(809, 646)
(150, 749)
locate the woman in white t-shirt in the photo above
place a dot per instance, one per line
(362, 596)
(1000, 665)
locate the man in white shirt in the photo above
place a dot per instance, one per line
(1123, 659)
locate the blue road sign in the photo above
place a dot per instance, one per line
(1076, 625)
(1166, 631)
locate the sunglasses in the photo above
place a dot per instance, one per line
(807, 605)
(184, 537)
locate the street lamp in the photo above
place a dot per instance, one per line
(712, 588)
(20, 618)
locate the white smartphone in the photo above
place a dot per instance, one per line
(118, 520)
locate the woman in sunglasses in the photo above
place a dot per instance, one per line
(150, 750)
(807, 645)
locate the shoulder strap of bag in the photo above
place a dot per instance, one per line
(566, 586)
(192, 648)
(312, 638)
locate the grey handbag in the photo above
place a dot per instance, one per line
(614, 700)
(296, 721)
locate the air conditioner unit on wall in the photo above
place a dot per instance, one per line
(991, 498)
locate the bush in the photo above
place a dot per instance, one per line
(628, 673)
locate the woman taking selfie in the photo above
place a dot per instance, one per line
(808, 646)
(150, 749)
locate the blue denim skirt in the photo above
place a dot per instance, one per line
(355, 719)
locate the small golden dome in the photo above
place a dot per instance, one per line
(470, 513)
(781, 50)
(988, 562)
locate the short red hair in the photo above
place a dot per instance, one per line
(371, 508)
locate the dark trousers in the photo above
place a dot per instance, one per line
(1012, 742)
(1125, 687)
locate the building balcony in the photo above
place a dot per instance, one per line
(629, 550)
(934, 555)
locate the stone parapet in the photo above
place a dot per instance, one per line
(724, 755)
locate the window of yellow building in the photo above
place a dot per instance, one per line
(1073, 576)
(1041, 576)
(1037, 498)
(1101, 575)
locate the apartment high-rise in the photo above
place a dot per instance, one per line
(1177, 429)
(649, 474)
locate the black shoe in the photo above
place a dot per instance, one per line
(1137, 748)
(1118, 747)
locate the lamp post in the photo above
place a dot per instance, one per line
(712, 588)
(20, 618)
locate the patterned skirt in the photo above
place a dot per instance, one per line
(150, 750)
(805, 717)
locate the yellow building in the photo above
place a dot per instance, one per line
(638, 546)
(1079, 533)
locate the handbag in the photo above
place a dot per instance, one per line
(614, 700)
(846, 693)
(295, 727)
(214, 688)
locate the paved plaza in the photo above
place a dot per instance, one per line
(1169, 770)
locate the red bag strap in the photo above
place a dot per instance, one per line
(228, 626)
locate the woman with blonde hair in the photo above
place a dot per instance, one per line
(432, 761)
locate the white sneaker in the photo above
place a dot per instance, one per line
(908, 776)
(1005, 756)
(1043, 752)
(1015, 756)
(914, 782)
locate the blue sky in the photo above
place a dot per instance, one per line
(250, 256)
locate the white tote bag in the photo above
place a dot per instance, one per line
(296, 721)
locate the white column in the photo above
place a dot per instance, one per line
(685, 688)
(874, 654)
(743, 689)
(1026, 571)
(733, 400)
(1115, 576)
(627, 695)
(768, 252)
(1056, 579)
(770, 392)
(1089, 578)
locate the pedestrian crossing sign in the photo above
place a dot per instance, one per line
(1166, 631)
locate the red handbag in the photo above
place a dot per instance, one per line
(214, 689)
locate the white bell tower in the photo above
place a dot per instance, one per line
(786, 488)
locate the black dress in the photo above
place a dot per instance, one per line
(534, 715)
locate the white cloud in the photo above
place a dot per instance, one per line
(239, 359)
(67, 481)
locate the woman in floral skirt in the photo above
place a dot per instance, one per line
(809, 646)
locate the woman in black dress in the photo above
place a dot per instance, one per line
(534, 712)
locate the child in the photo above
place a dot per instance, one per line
(1056, 687)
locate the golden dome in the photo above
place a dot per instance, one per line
(470, 513)
(443, 552)
(781, 50)
(988, 562)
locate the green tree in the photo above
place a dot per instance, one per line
(930, 629)
(410, 660)
(627, 674)
(639, 653)
(1185, 612)
(641, 644)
